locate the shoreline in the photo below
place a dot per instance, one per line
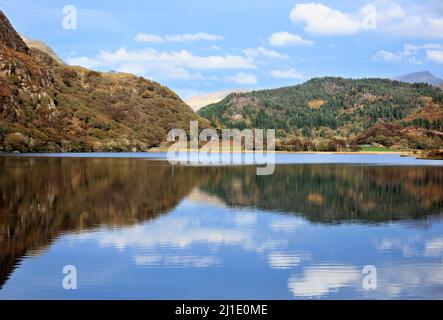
(406, 153)
(417, 154)
(292, 152)
(436, 154)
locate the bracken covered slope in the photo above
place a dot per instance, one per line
(49, 106)
(329, 113)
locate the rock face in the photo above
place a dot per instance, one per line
(47, 106)
(9, 38)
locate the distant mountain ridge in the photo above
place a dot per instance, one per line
(420, 77)
(199, 101)
(47, 106)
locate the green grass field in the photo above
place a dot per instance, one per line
(374, 149)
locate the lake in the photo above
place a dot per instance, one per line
(136, 227)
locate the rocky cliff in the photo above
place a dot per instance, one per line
(9, 37)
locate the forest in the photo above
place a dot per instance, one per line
(331, 114)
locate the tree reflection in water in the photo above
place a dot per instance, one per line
(41, 198)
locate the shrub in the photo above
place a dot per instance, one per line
(16, 142)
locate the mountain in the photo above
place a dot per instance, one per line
(9, 38)
(35, 44)
(199, 101)
(47, 106)
(420, 77)
(327, 114)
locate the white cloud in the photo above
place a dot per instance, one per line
(186, 37)
(418, 279)
(391, 18)
(281, 260)
(286, 225)
(85, 62)
(409, 246)
(201, 36)
(243, 78)
(287, 74)
(414, 26)
(387, 56)
(388, 10)
(283, 38)
(321, 280)
(177, 261)
(321, 19)
(176, 232)
(263, 52)
(245, 219)
(408, 21)
(197, 100)
(434, 247)
(410, 49)
(144, 37)
(162, 64)
(413, 54)
(435, 55)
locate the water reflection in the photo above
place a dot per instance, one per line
(332, 193)
(322, 279)
(305, 231)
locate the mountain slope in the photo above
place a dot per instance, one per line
(328, 113)
(420, 77)
(35, 44)
(48, 106)
(9, 38)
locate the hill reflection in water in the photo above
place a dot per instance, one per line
(43, 198)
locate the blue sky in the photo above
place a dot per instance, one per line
(201, 46)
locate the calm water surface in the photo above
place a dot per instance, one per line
(140, 228)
